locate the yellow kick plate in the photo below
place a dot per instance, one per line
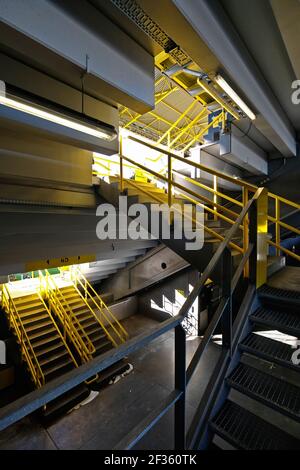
(56, 262)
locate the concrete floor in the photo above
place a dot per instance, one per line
(120, 407)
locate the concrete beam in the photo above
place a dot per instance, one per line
(206, 34)
(212, 24)
(115, 65)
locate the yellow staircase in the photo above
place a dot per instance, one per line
(85, 319)
(91, 331)
(170, 185)
(42, 345)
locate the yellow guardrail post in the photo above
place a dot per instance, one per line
(262, 238)
(277, 225)
(121, 164)
(169, 180)
(246, 229)
(215, 195)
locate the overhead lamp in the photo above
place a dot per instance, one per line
(55, 117)
(234, 96)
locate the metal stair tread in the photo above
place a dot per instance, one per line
(38, 325)
(269, 349)
(47, 370)
(247, 431)
(53, 357)
(48, 340)
(266, 388)
(26, 299)
(97, 335)
(102, 346)
(275, 294)
(42, 333)
(288, 322)
(35, 319)
(86, 322)
(56, 346)
(28, 311)
(72, 301)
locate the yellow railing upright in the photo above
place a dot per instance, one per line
(70, 323)
(27, 350)
(213, 202)
(106, 319)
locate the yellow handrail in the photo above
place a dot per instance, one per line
(57, 329)
(217, 208)
(79, 278)
(72, 326)
(27, 350)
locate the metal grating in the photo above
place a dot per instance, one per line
(246, 431)
(273, 293)
(270, 390)
(269, 349)
(135, 13)
(285, 321)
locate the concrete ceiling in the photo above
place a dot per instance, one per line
(254, 46)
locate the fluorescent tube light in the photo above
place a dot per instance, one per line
(56, 118)
(234, 96)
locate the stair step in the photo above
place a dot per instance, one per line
(29, 311)
(83, 314)
(50, 358)
(93, 328)
(45, 332)
(57, 368)
(109, 373)
(246, 431)
(73, 301)
(25, 299)
(44, 343)
(102, 346)
(272, 294)
(66, 401)
(56, 346)
(266, 388)
(38, 325)
(27, 320)
(87, 322)
(287, 322)
(97, 335)
(269, 349)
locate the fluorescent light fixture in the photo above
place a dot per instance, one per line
(234, 96)
(54, 117)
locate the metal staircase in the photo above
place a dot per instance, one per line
(43, 348)
(265, 413)
(84, 317)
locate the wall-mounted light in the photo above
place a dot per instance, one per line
(55, 117)
(234, 96)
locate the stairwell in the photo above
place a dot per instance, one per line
(262, 408)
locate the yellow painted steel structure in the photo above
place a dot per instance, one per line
(16, 324)
(72, 328)
(28, 352)
(183, 127)
(106, 319)
(213, 202)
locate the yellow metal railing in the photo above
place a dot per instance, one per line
(213, 202)
(57, 329)
(70, 323)
(27, 351)
(106, 319)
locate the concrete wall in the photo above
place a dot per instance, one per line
(24, 155)
(165, 292)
